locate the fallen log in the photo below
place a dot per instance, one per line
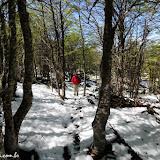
(122, 102)
(117, 101)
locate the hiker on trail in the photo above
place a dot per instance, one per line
(76, 81)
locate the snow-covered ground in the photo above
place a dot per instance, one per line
(52, 125)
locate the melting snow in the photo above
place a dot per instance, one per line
(52, 123)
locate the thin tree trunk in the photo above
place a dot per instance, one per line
(56, 29)
(141, 59)
(10, 140)
(28, 62)
(83, 53)
(58, 63)
(54, 68)
(121, 51)
(103, 110)
(121, 37)
(35, 68)
(51, 46)
(63, 52)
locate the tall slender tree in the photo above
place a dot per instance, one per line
(63, 51)
(60, 62)
(51, 45)
(103, 110)
(83, 50)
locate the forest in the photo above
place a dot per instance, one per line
(113, 46)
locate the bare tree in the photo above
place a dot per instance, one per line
(60, 60)
(51, 46)
(141, 58)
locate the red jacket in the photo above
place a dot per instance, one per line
(76, 79)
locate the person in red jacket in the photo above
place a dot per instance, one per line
(76, 81)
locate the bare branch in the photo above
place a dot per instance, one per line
(92, 8)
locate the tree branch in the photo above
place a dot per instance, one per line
(96, 1)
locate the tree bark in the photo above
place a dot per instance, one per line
(1, 56)
(121, 49)
(2, 50)
(83, 52)
(5, 46)
(63, 52)
(141, 59)
(58, 63)
(103, 111)
(28, 62)
(1, 135)
(10, 140)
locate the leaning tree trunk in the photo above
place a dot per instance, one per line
(10, 140)
(28, 63)
(103, 111)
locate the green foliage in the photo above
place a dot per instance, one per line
(152, 62)
(72, 42)
(73, 53)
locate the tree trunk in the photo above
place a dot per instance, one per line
(103, 111)
(58, 67)
(3, 37)
(83, 52)
(1, 64)
(5, 46)
(1, 56)
(141, 59)
(63, 60)
(28, 62)
(121, 50)
(10, 139)
(1, 134)
(51, 47)
(54, 68)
